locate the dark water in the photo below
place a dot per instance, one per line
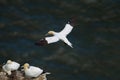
(95, 38)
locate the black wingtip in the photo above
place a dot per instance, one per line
(73, 21)
(41, 42)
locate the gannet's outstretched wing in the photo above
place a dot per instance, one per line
(67, 29)
(51, 39)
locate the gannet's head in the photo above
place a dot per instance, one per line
(50, 33)
(26, 66)
(9, 62)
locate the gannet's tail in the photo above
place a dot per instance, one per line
(71, 46)
(67, 42)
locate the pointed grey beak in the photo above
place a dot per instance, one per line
(22, 69)
(46, 34)
(22, 66)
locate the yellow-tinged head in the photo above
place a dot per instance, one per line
(26, 66)
(51, 32)
(9, 62)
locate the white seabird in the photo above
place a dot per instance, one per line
(10, 66)
(31, 71)
(62, 35)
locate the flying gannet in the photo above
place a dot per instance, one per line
(10, 66)
(31, 71)
(62, 35)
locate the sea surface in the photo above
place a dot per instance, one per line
(95, 37)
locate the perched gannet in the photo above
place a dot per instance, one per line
(57, 36)
(10, 66)
(31, 71)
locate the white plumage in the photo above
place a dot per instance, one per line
(10, 66)
(52, 39)
(62, 35)
(32, 71)
(67, 29)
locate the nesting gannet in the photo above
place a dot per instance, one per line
(62, 35)
(31, 71)
(10, 66)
